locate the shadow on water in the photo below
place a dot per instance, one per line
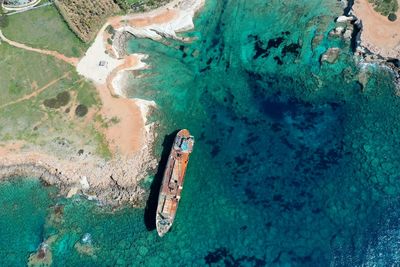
(151, 205)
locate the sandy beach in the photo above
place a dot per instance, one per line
(131, 138)
(379, 35)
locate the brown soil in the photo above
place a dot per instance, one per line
(379, 35)
(125, 137)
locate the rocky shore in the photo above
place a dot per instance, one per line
(351, 28)
(114, 181)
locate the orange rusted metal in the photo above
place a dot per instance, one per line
(172, 183)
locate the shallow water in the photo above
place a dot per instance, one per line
(295, 163)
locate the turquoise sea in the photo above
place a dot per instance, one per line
(295, 164)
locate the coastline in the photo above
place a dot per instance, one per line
(131, 139)
(376, 40)
(111, 182)
(379, 35)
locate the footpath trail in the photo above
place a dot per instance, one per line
(70, 60)
(36, 92)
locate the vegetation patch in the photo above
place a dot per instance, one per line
(392, 17)
(86, 17)
(15, 88)
(141, 5)
(385, 7)
(81, 110)
(115, 120)
(44, 28)
(24, 117)
(20, 68)
(3, 18)
(62, 99)
(110, 29)
(103, 148)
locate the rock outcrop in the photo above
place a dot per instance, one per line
(331, 55)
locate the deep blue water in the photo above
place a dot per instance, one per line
(295, 163)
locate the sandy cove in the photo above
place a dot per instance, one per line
(105, 65)
(379, 35)
(130, 139)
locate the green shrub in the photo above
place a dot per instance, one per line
(110, 29)
(15, 88)
(3, 17)
(385, 7)
(392, 17)
(81, 110)
(122, 4)
(51, 103)
(61, 100)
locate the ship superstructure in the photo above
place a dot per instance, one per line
(172, 183)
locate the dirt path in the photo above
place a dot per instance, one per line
(70, 60)
(36, 92)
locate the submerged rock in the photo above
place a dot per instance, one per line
(331, 55)
(43, 256)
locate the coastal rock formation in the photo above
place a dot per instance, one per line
(345, 19)
(344, 28)
(348, 33)
(167, 22)
(380, 46)
(379, 35)
(111, 182)
(337, 32)
(120, 41)
(73, 170)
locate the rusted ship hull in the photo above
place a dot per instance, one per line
(172, 183)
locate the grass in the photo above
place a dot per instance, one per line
(22, 71)
(44, 28)
(28, 119)
(87, 95)
(385, 7)
(23, 77)
(102, 148)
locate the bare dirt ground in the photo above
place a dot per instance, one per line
(379, 35)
